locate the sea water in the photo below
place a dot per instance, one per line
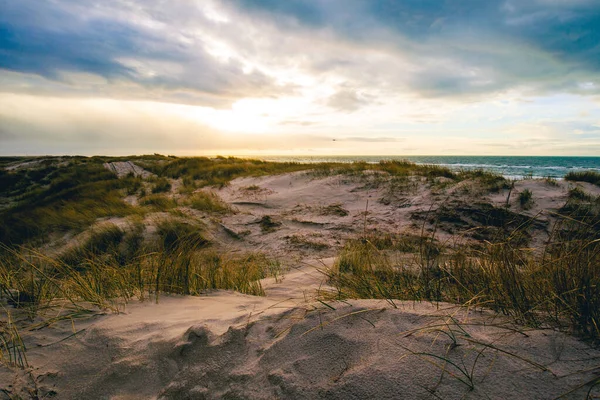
(509, 166)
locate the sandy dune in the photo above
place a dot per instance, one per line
(289, 345)
(284, 345)
(314, 216)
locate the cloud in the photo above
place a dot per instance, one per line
(122, 43)
(372, 139)
(222, 51)
(347, 100)
(359, 71)
(453, 48)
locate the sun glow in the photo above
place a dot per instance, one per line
(249, 115)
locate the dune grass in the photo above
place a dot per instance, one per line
(105, 272)
(219, 171)
(557, 285)
(592, 177)
(526, 199)
(111, 265)
(71, 197)
(158, 202)
(12, 348)
(161, 185)
(59, 194)
(208, 202)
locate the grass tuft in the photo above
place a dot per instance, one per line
(208, 202)
(592, 177)
(558, 284)
(526, 199)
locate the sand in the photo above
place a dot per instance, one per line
(289, 345)
(228, 345)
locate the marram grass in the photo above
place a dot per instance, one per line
(557, 285)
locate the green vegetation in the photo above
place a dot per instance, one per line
(550, 181)
(480, 221)
(218, 171)
(158, 202)
(267, 224)
(526, 199)
(38, 283)
(576, 193)
(557, 285)
(12, 348)
(113, 265)
(208, 202)
(71, 197)
(175, 235)
(489, 180)
(101, 241)
(161, 185)
(592, 177)
(304, 242)
(334, 209)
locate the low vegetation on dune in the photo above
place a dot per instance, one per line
(557, 285)
(208, 202)
(113, 265)
(75, 238)
(592, 177)
(58, 199)
(219, 171)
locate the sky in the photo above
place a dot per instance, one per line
(300, 77)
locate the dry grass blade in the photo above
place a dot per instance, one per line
(12, 348)
(324, 324)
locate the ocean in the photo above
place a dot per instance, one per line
(509, 166)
